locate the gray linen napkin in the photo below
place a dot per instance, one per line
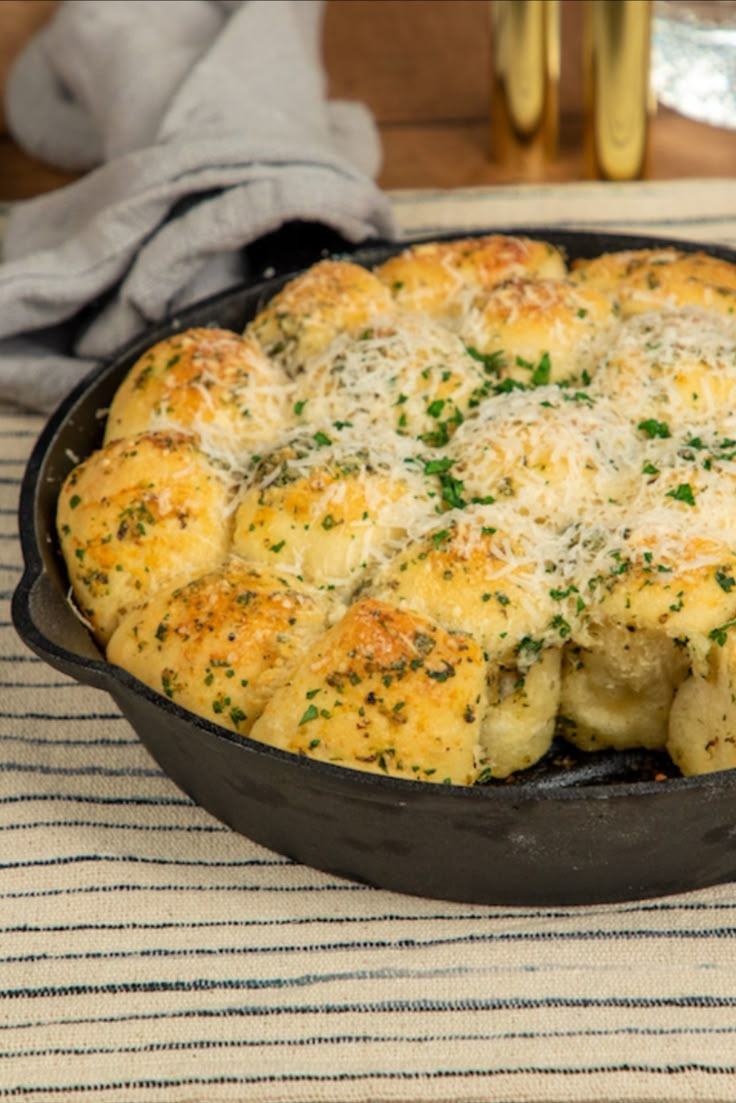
(210, 128)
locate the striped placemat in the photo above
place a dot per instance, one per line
(696, 210)
(149, 954)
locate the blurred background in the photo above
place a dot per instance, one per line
(424, 68)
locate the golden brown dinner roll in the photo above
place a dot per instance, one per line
(208, 381)
(682, 601)
(519, 724)
(617, 692)
(327, 505)
(385, 691)
(539, 330)
(669, 563)
(409, 373)
(675, 365)
(330, 298)
(481, 571)
(442, 278)
(221, 644)
(485, 573)
(702, 730)
(654, 279)
(136, 515)
(553, 453)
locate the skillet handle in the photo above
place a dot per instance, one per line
(46, 622)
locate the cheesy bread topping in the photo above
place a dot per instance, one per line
(424, 519)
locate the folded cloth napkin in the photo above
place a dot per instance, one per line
(209, 126)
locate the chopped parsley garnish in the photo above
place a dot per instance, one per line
(654, 428)
(720, 634)
(438, 467)
(724, 580)
(506, 386)
(452, 492)
(683, 493)
(492, 361)
(447, 671)
(542, 372)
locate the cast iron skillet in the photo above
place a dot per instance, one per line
(575, 829)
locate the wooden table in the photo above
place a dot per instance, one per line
(423, 68)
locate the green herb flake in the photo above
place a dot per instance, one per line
(237, 715)
(508, 385)
(447, 671)
(561, 626)
(720, 634)
(683, 493)
(724, 580)
(492, 361)
(438, 467)
(542, 372)
(654, 428)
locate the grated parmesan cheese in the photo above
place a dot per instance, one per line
(479, 443)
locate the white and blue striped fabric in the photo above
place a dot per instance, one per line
(149, 955)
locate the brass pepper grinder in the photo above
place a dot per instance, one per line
(618, 98)
(525, 47)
